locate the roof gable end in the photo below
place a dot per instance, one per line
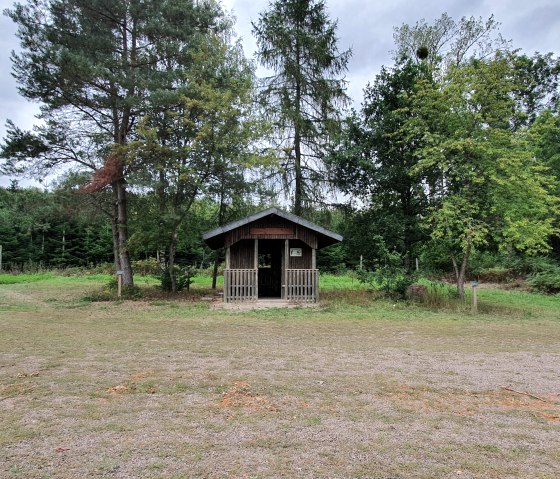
(214, 237)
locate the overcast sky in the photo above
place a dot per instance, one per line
(365, 26)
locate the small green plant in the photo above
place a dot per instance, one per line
(183, 278)
(440, 294)
(146, 267)
(392, 278)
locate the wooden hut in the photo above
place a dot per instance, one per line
(271, 254)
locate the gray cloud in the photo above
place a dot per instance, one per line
(366, 26)
(12, 105)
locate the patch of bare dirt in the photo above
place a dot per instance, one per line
(240, 394)
(470, 403)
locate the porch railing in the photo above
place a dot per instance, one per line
(302, 285)
(240, 285)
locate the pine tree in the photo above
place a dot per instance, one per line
(99, 62)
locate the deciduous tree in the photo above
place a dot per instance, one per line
(376, 158)
(492, 186)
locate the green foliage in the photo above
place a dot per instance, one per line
(375, 161)
(441, 295)
(546, 281)
(101, 70)
(332, 259)
(392, 278)
(527, 265)
(434, 258)
(183, 278)
(50, 229)
(536, 87)
(145, 267)
(494, 190)
(297, 40)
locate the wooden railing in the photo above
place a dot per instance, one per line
(302, 285)
(240, 285)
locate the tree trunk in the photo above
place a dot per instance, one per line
(171, 262)
(221, 216)
(298, 193)
(463, 270)
(122, 230)
(63, 246)
(215, 270)
(455, 267)
(115, 232)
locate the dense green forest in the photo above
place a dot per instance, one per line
(157, 129)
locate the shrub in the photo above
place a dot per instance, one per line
(183, 279)
(527, 265)
(146, 267)
(391, 281)
(546, 281)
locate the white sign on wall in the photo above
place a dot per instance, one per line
(296, 252)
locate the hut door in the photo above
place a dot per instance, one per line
(270, 268)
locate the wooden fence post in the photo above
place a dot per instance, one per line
(119, 283)
(474, 285)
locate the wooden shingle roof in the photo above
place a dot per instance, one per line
(215, 238)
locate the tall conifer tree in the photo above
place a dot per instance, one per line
(297, 41)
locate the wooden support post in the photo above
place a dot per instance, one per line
(316, 286)
(313, 258)
(256, 267)
(286, 267)
(227, 277)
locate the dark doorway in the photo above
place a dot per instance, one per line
(270, 268)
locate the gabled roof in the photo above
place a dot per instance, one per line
(215, 237)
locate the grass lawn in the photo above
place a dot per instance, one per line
(357, 388)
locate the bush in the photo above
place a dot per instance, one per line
(434, 259)
(183, 279)
(441, 295)
(546, 281)
(482, 261)
(146, 267)
(391, 281)
(528, 265)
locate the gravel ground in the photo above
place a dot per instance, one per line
(157, 390)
